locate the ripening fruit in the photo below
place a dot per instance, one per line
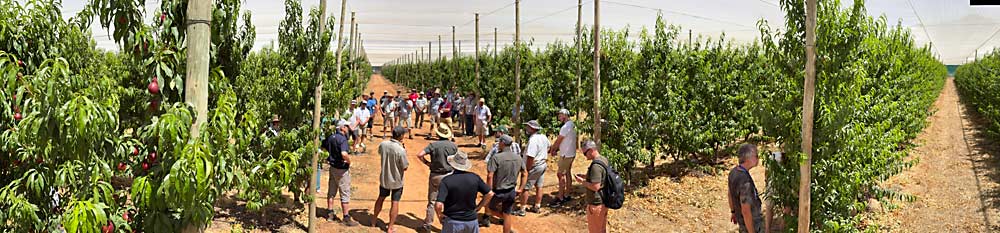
(145, 166)
(122, 166)
(135, 151)
(110, 228)
(39, 160)
(152, 157)
(17, 116)
(125, 216)
(20, 63)
(154, 87)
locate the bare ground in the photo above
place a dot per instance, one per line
(955, 182)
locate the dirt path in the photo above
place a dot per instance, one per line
(955, 180)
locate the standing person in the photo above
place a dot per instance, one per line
(500, 132)
(502, 174)
(438, 163)
(483, 118)
(597, 213)
(535, 159)
(744, 202)
(469, 113)
(274, 129)
(456, 112)
(413, 94)
(372, 104)
(359, 121)
(340, 176)
(566, 145)
(421, 110)
(456, 201)
(405, 110)
(390, 108)
(394, 164)
(446, 115)
(434, 109)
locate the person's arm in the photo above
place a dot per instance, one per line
(439, 208)
(531, 159)
(552, 150)
(747, 217)
(489, 179)
(486, 200)
(587, 184)
(732, 209)
(347, 158)
(524, 176)
(423, 157)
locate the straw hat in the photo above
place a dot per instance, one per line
(534, 124)
(460, 161)
(443, 130)
(275, 118)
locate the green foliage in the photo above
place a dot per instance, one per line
(874, 88)
(979, 83)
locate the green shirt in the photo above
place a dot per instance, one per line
(595, 174)
(505, 167)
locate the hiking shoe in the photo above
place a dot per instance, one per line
(519, 212)
(535, 209)
(426, 227)
(350, 222)
(331, 218)
(484, 221)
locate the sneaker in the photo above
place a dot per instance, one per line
(331, 218)
(350, 222)
(426, 227)
(535, 209)
(484, 221)
(519, 212)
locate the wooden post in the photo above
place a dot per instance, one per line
(517, 71)
(428, 51)
(318, 107)
(579, 50)
(454, 55)
(439, 47)
(689, 37)
(805, 167)
(597, 72)
(199, 32)
(476, 83)
(350, 51)
(495, 44)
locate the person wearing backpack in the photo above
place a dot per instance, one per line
(594, 181)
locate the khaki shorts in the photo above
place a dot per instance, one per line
(340, 182)
(565, 165)
(480, 128)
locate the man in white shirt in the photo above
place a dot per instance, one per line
(535, 156)
(483, 118)
(566, 146)
(420, 110)
(359, 119)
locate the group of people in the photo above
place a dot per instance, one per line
(452, 189)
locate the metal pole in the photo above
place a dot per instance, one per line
(476, 83)
(579, 50)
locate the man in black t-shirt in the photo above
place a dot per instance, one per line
(456, 201)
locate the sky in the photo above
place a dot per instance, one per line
(392, 28)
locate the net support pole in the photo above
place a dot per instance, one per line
(805, 167)
(517, 70)
(597, 73)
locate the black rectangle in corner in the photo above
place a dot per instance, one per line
(984, 2)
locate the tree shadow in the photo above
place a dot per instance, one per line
(270, 217)
(410, 220)
(984, 153)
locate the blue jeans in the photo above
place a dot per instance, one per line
(455, 226)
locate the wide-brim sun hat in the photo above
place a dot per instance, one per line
(443, 130)
(564, 111)
(342, 123)
(482, 100)
(534, 124)
(275, 118)
(460, 161)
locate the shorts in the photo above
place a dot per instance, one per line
(406, 120)
(458, 226)
(397, 194)
(386, 121)
(565, 165)
(535, 177)
(503, 201)
(340, 182)
(480, 128)
(370, 122)
(362, 131)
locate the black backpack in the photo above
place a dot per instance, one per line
(612, 189)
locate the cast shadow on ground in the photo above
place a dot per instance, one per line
(985, 156)
(271, 217)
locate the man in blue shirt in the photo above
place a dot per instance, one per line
(340, 177)
(372, 103)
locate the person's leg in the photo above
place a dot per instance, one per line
(597, 218)
(382, 193)
(433, 183)
(345, 196)
(393, 212)
(507, 222)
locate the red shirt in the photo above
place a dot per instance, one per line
(413, 96)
